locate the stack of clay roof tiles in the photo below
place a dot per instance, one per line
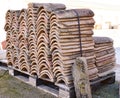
(24, 62)
(45, 39)
(45, 68)
(71, 37)
(12, 28)
(8, 36)
(105, 54)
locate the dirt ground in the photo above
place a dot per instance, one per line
(11, 87)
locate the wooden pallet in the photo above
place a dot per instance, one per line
(105, 79)
(61, 91)
(3, 65)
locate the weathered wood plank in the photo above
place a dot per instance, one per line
(81, 79)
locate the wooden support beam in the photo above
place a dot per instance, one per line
(81, 79)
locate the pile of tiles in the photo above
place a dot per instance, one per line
(67, 42)
(45, 70)
(8, 36)
(12, 29)
(23, 62)
(105, 54)
(45, 39)
(28, 46)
